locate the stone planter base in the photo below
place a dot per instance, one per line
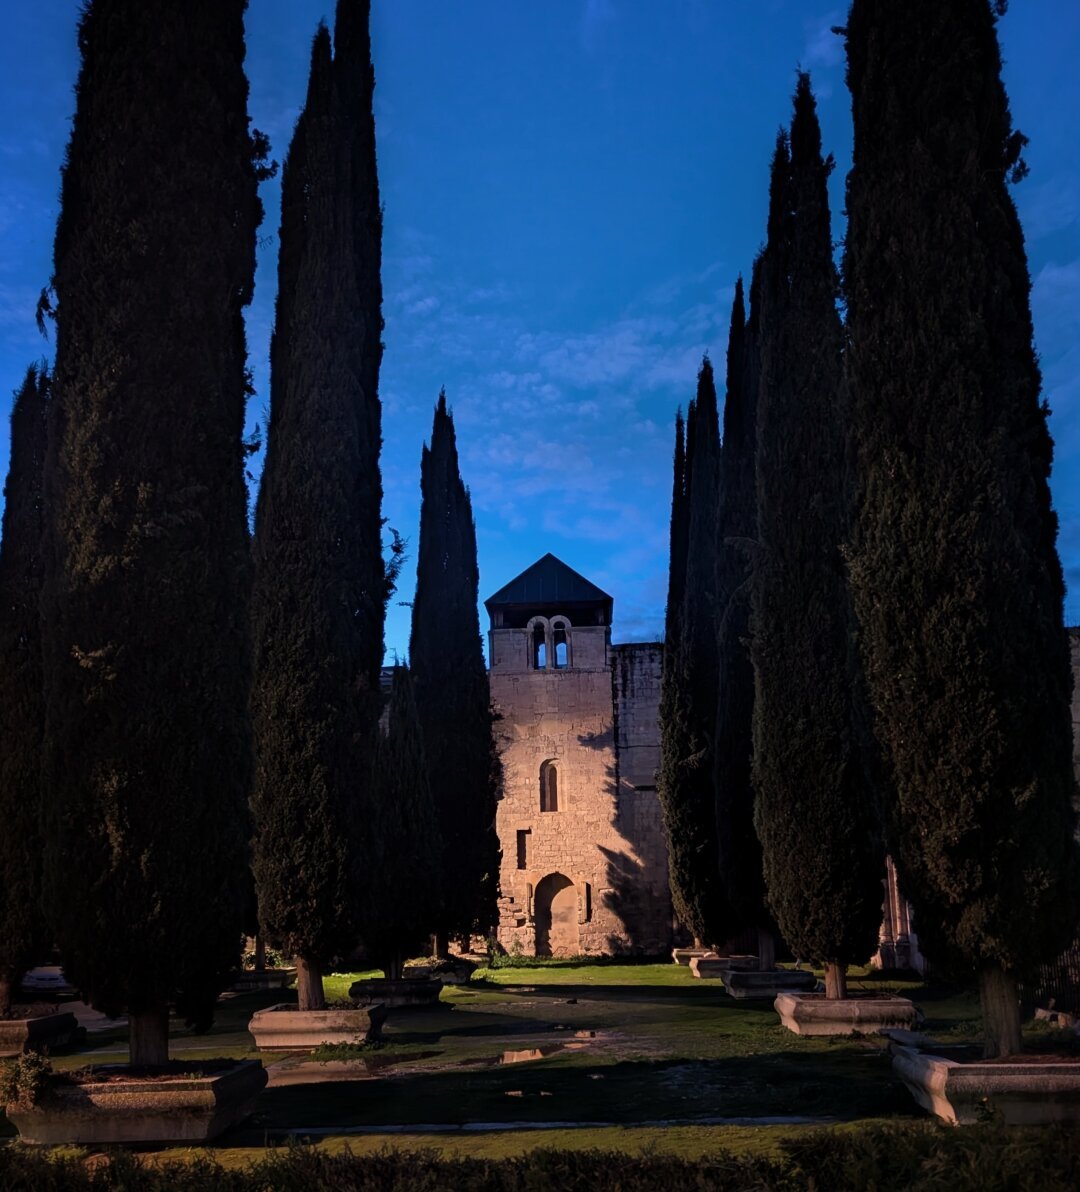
(285, 1028)
(684, 956)
(395, 994)
(1022, 1094)
(454, 971)
(769, 984)
(815, 1014)
(145, 1110)
(37, 1034)
(250, 980)
(711, 967)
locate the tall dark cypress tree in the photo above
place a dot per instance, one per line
(400, 887)
(688, 695)
(22, 701)
(956, 579)
(815, 817)
(453, 698)
(147, 656)
(320, 584)
(673, 728)
(739, 848)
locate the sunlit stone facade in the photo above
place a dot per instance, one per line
(584, 859)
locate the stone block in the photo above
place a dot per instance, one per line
(683, 956)
(143, 1109)
(815, 1014)
(286, 1028)
(37, 1034)
(769, 984)
(250, 980)
(1017, 1092)
(381, 991)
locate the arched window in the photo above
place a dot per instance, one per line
(560, 643)
(549, 787)
(539, 653)
(539, 648)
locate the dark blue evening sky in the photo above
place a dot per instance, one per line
(571, 188)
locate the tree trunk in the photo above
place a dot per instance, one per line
(394, 967)
(766, 950)
(697, 942)
(442, 945)
(1001, 1012)
(148, 1037)
(7, 985)
(309, 987)
(835, 980)
(260, 954)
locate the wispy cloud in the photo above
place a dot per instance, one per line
(596, 18)
(823, 51)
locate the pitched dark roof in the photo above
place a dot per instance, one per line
(548, 581)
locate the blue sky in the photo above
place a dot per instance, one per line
(571, 188)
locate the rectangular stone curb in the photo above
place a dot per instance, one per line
(961, 1094)
(815, 1014)
(36, 1034)
(141, 1111)
(754, 984)
(683, 956)
(250, 980)
(285, 1028)
(372, 991)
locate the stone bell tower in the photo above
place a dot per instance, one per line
(584, 860)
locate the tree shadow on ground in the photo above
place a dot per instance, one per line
(844, 1085)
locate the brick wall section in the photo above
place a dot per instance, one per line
(597, 722)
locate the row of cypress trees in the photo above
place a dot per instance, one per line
(886, 547)
(128, 597)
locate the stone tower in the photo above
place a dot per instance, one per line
(584, 859)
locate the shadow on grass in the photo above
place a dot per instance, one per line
(709, 991)
(845, 1084)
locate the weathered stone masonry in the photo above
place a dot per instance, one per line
(584, 856)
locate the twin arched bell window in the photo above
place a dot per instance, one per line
(549, 787)
(549, 643)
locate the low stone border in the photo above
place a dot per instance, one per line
(815, 1014)
(250, 980)
(143, 1110)
(768, 984)
(285, 1028)
(37, 1034)
(684, 956)
(453, 971)
(711, 967)
(1016, 1092)
(394, 994)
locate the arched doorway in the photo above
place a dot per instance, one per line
(556, 914)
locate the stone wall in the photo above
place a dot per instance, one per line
(605, 839)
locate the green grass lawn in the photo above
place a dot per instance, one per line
(627, 1055)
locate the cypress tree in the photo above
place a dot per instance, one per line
(739, 848)
(22, 701)
(673, 729)
(320, 584)
(400, 896)
(816, 819)
(688, 685)
(452, 694)
(146, 638)
(955, 574)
